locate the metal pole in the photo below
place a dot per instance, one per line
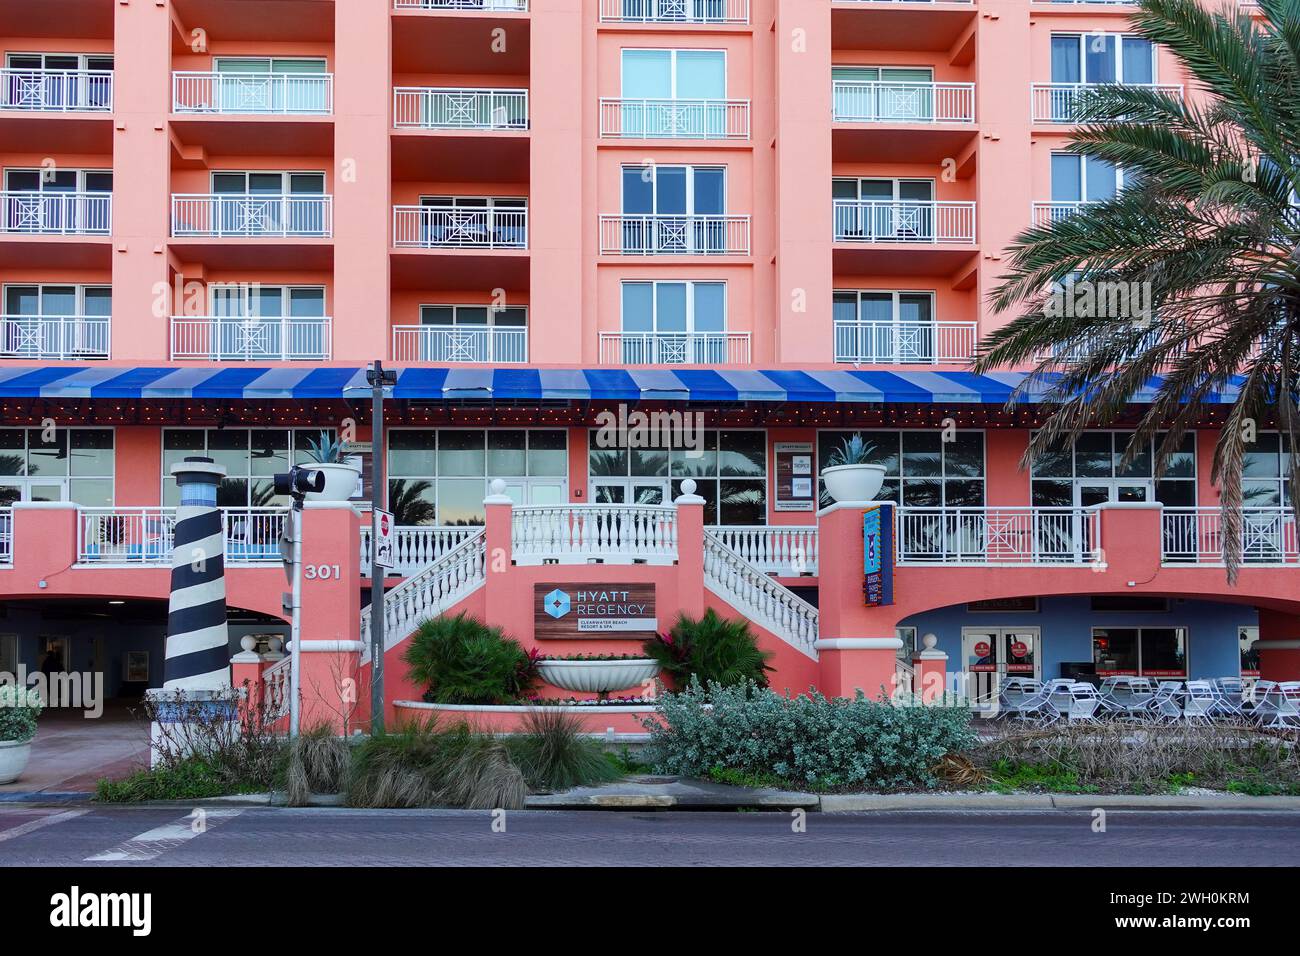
(295, 622)
(378, 502)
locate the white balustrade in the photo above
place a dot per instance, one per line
(1060, 102)
(423, 107)
(56, 213)
(485, 6)
(910, 221)
(668, 235)
(461, 227)
(144, 536)
(250, 338)
(56, 91)
(415, 547)
(277, 689)
(881, 342)
(674, 118)
(54, 337)
(674, 348)
(997, 536)
(6, 536)
(886, 101)
(1195, 536)
(245, 93)
(252, 215)
(577, 534)
(784, 550)
(1046, 213)
(674, 11)
(460, 343)
(751, 591)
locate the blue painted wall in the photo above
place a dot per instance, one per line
(1066, 624)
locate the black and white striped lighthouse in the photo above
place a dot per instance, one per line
(198, 652)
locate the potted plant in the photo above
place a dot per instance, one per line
(19, 708)
(849, 472)
(340, 475)
(597, 673)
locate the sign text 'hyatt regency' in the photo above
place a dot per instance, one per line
(602, 610)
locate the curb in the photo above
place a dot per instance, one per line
(751, 800)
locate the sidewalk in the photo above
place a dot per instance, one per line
(71, 753)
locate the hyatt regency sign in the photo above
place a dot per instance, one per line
(594, 611)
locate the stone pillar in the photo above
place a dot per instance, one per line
(931, 667)
(498, 553)
(690, 550)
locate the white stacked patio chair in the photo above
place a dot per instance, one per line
(1252, 704)
(1229, 692)
(1283, 704)
(1135, 697)
(1201, 701)
(1084, 704)
(1014, 689)
(1060, 697)
(1166, 707)
(1032, 705)
(1109, 707)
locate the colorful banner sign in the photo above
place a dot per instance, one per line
(878, 555)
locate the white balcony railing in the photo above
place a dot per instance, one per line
(1059, 102)
(487, 6)
(579, 534)
(431, 108)
(993, 536)
(783, 550)
(1046, 213)
(303, 93)
(674, 118)
(904, 342)
(56, 213)
(885, 101)
(415, 547)
(250, 338)
(6, 536)
(674, 11)
(674, 348)
(1195, 536)
(56, 91)
(54, 337)
(669, 235)
(460, 343)
(252, 215)
(460, 227)
(144, 536)
(879, 220)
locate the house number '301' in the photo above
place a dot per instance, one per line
(322, 572)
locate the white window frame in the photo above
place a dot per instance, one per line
(284, 175)
(1187, 646)
(690, 306)
(64, 480)
(270, 63)
(1119, 56)
(690, 169)
(895, 304)
(41, 182)
(83, 59)
(247, 298)
(1083, 175)
(492, 313)
(896, 181)
(622, 65)
(943, 477)
(80, 287)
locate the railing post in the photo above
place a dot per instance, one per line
(690, 550)
(498, 556)
(931, 668)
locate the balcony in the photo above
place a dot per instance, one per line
(674, 348)
(998, 536)
(459, 109)
(673, 119)
(250, 339)
(685, 235)
(459, 227)
(905, 342)
(1046, 213)
(143, 537)
(1058, 103)
(908, 221)
(56, 213)
(882, 101)
(248, 215)
(472, 6)
(56, 91)
(674, 11)
(1195, 536)
(253, 93)
(54, 338)
(459, 343)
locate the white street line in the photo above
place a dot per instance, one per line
(154, 843)
(24, 828)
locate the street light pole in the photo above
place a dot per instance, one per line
(378, 379)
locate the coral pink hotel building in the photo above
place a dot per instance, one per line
(785, 215)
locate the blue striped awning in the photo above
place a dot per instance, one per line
(532, 384)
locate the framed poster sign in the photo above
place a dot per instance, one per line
(796, 476)
(135, 667)
(568, 611)
(878, 555)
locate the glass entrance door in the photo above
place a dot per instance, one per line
(629, 491)
(1004, 651)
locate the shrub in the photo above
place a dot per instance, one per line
(809, 741)
(188, 779)
(19, 708)
(461, 660)
(554, 755)
(711, 650)
(317, 762)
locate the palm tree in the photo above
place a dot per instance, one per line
(1207, 224)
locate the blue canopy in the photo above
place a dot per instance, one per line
(531, 384)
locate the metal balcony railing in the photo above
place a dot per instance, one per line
(56, 91)
(56, 213)
(1195, 536)
(54, 337)
(305, 93)
(432, 108)
(250, 338)
(143, 537)
(460, 227)
(1059, 102)
(459, 343)
(672, 235)
(1046, 213)
(486, 6)
(883, 101)
(872, 342)
(252, 215)
(995, 536)
(674, 11)
(912, 221)
(673, 118)
(674, 348)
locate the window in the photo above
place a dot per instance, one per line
(473, 333)
(77, 464)
(878, 327)
(1084, 179)
(251, 457)
(265, 183)
(57, 81)
(866, 94)
(1248, 650)
(883, 209)
(674, 322)
(654, 82)
(1266, 478)
(1089, 473)
(243, 299)
(1140, 651)
(55, 200)
(270, 202)
(1102, 58)
(55, 320)
(654, 195)
(921, 470)
(441, 476)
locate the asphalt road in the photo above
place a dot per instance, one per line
(97, 837)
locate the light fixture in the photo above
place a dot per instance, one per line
(116, 602)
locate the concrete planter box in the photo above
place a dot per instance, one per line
(13, 759)
(597, 677)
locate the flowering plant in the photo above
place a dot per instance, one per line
(19, 708)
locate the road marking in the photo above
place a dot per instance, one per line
(154, 843)
(24, 828)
